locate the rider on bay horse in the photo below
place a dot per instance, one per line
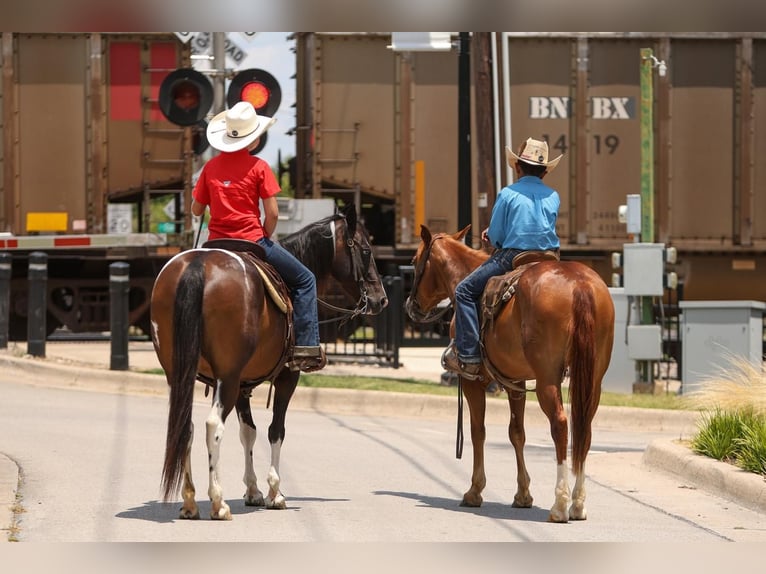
(232, 184)
(523, 219)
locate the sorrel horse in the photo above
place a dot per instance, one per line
(560, 317)
(214, 319)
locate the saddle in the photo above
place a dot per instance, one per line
(253, 254)
(498, 293)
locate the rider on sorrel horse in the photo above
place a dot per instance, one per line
(540, 321)
(218, 315)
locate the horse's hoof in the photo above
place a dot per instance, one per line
(256, 500)
(277, 503)
(558, 517)
(471, 500)
(578, 512)
(224, 513)
(189, 514)
(522, 501)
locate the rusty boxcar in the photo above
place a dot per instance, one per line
(81, 132)
(382, 126)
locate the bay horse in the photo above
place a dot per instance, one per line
(559, 318)
(216, 318)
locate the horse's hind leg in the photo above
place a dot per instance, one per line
(190, 509)
(247, 435)
(214, 425)
(477, 404)
(549, 396)
(284, 387)
(517, 401)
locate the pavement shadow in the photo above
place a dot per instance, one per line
(166, 512)
(494, 510)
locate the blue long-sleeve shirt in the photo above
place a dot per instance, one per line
(524, 216)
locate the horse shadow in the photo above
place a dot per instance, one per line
(495, 510)
(167, 512)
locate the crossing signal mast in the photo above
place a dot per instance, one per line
(187, 95)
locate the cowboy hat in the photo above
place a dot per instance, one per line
(237, 127)
(533, 152)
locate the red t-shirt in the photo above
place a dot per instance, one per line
(231, 184)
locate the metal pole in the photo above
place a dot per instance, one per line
(119, 322)
(464, 136)
(647, 146)
(647, 183)
(5, 297)
(37, 276)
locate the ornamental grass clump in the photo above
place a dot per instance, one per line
(733, 423)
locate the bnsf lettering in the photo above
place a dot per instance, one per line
(601, 108)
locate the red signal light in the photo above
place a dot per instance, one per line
(257, 87)
(256, 93)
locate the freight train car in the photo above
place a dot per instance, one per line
(381, 126)
(84, 150)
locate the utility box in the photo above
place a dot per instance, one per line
(643, 268)
(645, 342)
(621, 374)
(715, 333)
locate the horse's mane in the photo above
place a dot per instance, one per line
(312, 245)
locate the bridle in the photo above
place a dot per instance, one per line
(360, 256)
(414, 305)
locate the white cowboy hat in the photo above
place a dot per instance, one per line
(533, 152)
(237, 127)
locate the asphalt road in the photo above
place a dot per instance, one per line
(91, 462)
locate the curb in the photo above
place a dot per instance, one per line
(9, 482)
(719, 478)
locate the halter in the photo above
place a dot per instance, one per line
(419, 270)
(360, 262)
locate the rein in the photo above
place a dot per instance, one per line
(358, 259)
(434, 316)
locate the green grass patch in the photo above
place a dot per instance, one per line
(737, 437)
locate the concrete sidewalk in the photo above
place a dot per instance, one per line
(86, 365)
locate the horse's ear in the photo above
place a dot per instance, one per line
(349, 212)
(460, 235)
(425, 234)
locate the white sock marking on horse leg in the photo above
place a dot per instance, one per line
(247, 435)
(275, 498)
(559, 512)
(214, 427)
(577, 511)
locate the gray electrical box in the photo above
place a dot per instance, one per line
(621, 374)
(645, 342)
(714, 334)
(643, 268)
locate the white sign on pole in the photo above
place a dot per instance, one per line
(234, 47)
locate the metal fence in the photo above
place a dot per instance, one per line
(377, 339)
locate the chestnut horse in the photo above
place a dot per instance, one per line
(214, 319)
(560, 317)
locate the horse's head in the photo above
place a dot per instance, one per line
(435, 276)
(354, 265)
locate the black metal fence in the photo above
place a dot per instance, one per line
(377, 339)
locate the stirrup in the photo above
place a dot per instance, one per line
(451, 362)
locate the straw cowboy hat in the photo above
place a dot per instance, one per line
(237, 127)
(534, 152)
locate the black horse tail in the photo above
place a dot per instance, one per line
(187, 335)
(584, 396)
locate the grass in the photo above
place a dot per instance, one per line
(733, 425)
(408, 385)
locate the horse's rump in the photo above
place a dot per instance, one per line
(530, 315)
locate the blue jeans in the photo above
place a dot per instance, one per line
(303, 291)
(468, 302)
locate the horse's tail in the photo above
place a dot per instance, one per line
(187, 330)
(584, 396)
